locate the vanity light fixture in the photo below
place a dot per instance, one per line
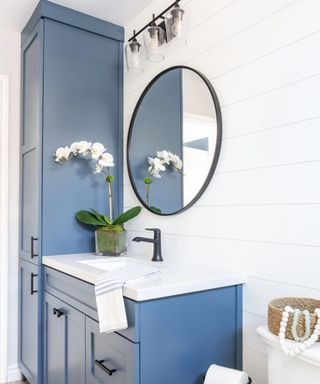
(167, 27)
(133, 56)
(174, 26)
(154, 38)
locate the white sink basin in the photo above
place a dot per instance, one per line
(111, 263)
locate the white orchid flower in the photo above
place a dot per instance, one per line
(150, 160)
(99, 168)
(74, 148)
(164, 156)
(97, 150)
(106, 160)
(83, 147)
(154, 172)
(62, 154)
(176, 162)
(156, 164)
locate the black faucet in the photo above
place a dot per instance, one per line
(157, 256)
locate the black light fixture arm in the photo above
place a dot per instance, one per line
(160, 16)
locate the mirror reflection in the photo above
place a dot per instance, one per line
(174, 140)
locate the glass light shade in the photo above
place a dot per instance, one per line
(133, 56)
(154, 38)
(175, 27)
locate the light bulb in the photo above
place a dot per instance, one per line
(135, 60)
(177, 27)
(154, 38)
(153, 44)
(133, 56)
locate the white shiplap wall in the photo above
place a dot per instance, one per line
(260, 214)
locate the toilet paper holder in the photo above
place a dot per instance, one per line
(249, 382)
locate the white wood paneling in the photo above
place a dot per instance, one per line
(293, 103)
(273, 34)
(258, 293)
(259, 74)
(288, 144)
(261, 211)
(286, 224)
(256, 364)
(250, 340)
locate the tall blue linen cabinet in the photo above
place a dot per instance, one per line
(72, 90)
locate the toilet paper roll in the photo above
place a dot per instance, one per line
(221, 375)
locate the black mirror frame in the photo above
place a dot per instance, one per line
(218, 142)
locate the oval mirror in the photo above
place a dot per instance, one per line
(174, 140)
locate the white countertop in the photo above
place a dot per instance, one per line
(173, 279)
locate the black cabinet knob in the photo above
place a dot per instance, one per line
(57, 312)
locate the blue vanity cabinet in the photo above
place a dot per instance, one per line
(64, 348)
(169, 340)
(29, 318)
(72, 90)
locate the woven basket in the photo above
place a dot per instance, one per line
(277, 306)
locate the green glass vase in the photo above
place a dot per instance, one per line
(110, 243)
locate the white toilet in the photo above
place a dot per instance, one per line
(282, 369)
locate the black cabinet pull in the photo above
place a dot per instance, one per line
(33, 239)
(33, 275)
(57, 312)
(109, 371)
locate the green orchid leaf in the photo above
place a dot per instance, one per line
(126, 216)
(87, 217)
(155, 210)
(104, 219)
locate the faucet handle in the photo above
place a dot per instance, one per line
(156, 231)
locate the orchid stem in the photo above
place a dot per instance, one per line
(147, 195)
(109, 181)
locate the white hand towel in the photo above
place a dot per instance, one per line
(110, 304)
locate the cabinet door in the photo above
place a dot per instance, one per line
(28, 319)
(31, 122)
(64, 343)
(110, 358)
(80, 102)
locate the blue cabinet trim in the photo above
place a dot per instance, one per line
(47, 9)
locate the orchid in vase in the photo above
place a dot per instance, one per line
(158, 164)
(110, 234)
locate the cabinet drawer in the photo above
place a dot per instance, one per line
(81, 295)
(110, 358)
